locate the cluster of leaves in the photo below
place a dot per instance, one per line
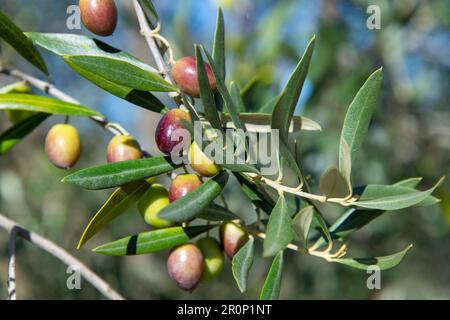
(288, 218)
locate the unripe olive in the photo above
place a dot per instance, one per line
(185, 266)
(233, 237)
(182, 185)
(123, 148)
(184, 72)
(62, 145)
(212, 257)
(99, 16)
(165, 138)
(201, 163)
(151, 203)
(16, 116)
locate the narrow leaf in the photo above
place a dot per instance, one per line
(241, 264)
(346, 162)
(196, 201)
(120, 72)
(13, 35)
(206, 93)
(302, 223)
(334, 185)
(272, 285)
(218, 52)
(358, 117)
(16, 133)
(149, 5)
(287, 101)
(29, 102)
(214, 212)
(236, 96)
(397, 202)
(383, 263)
(119, 173)
(120, 200)
(410, 182)
(252, 192)
(151, 241)
(279, 229)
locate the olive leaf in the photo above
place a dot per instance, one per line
(272, 284)
(242, 263)
(334, 185)
(13, 35)
(302, 223)
(218, 52)
(119, 201)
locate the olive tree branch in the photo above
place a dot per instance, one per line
(52, 90)
(15, 230)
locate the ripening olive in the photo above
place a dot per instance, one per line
(62, 145)
(212, 257)
(151, 203)
(166, 136)
(99, 16)
(123, 148)
(182, 185)
(201, 163)
(185, 266)
(233, 237)
(184, 72)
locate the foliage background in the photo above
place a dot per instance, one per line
(409, 136)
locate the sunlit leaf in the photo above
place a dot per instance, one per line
(218, 51)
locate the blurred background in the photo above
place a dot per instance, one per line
(409, 136)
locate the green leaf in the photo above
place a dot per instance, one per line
(302, 223)
(383, 263)
(269, 106)
(120, 72)
(65, 44)
(272, 285)
(398, 201)
(260, 122)
(410, 182)
(287, 101)
(13, 35)
(206, 93)
(358, 117)
(279, 229)
(119, 173)
(237, 98)
(29, 102)
(120, 200)
(218, 51)
(143, 99)
(196, 201)
(222, 88)
(16, 133)
(149, 5)
(241, 264)
(214, 212)
(288, 163)
(346, 162)
(253, 193)
(322, 225)
(151, 241)
(334, 185)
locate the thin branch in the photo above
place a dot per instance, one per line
(12, 264)
(56, 251)
(149, 36)
(52, 90)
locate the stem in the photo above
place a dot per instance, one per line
(16, 230)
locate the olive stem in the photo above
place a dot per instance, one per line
(15, 230)
(52, 90)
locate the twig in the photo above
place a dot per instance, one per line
(52, 90)
(12, 264)
(149, 36)
(13, 228)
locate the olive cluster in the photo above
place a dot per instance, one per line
(190, 263)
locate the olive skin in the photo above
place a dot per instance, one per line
(185, 266)
(151, 203)
(182, 185)
(233, 237)
(123, 148)
(62, 145)
(99, 16)
(201, 163)
(170, 122)
(184, 72)
(213, 258)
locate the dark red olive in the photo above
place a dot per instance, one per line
(184, 72)
(99, 16)
(169, 123)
